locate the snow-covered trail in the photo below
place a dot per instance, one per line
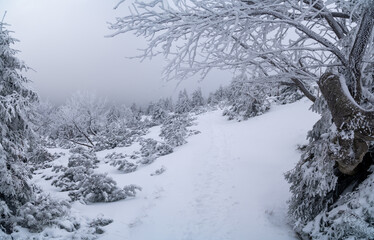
(226, 183)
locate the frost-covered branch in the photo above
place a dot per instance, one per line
(265, 37)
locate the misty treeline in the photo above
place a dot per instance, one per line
(89, 120)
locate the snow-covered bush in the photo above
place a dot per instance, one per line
(325, 203)
(351, 217)
(159, 113)
(98, 223)
(174, 129)
(101, 188)
(84, 158)
(78, 178)
(288, 94)
(119, 160)
(39, 158)
(159, 171)
(43, 212)
(80, 165)
(114, 155)
(246, 99)
(71, 177)
(15, 135)
(124, 165)
(151, 147)
(313, 179)
(147, 160)
(123, 126)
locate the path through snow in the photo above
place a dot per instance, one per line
(226, 183)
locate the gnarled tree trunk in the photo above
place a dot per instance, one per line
(354, 124)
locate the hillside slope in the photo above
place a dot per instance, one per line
(226, 183)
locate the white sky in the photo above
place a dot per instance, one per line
(63, 41)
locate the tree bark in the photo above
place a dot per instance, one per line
(354, 124)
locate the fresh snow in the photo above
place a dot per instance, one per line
(226, 183)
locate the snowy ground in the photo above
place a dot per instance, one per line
(226, 183)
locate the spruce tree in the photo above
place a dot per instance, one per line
(16, 134)
(183, 104)
(197, 99)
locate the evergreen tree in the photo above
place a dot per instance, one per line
(246, 99)
(137, 111)
(16, 134)
(150, 108)
(168, 102)
(159, 113)
(197, 99)
(183, 104)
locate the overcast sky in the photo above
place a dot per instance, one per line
(63, 41)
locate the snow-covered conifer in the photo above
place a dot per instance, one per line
(197, 99)
(159, 112)
(15, 134)
(183, 104)
(174, 129)
(246, 100)
(101, 188)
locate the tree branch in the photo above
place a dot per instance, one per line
(83, 144)
(356, 55)
(85, 135)
(339, 32)
(303, 89)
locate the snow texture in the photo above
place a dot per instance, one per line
(225, 183)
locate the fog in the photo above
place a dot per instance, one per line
(64, 42)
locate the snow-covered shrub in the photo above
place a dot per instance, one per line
(288, 94)
(78, 149)
(114, 136)
(313, 180)
(174, 129)
(124, 165)
(159, 171)
(119, 135)
(86, 159)
(351, 217)
(151, 147)
(101, 188)
(246, 100)
(98, 223)
(43, 212)
(6, 216)
(40, 158)
(119, 160)
(114, 155)
(71, 177)
(147, 160)
(80, 165)
(159, 113)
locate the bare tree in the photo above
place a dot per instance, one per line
(81, 118)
